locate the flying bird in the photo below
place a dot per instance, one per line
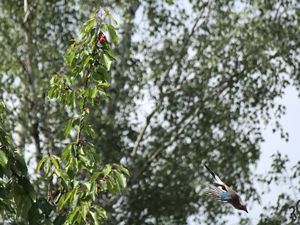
(224, 193)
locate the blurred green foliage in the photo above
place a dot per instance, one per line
(194, 81)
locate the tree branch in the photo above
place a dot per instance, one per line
(173, 138)
(142, 132)
(163, 80)
(186, 120)
(27, 65)
(183, 48)
(159, 150)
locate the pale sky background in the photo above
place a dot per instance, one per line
(273, 143)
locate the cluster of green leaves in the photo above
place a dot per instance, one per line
(17, 195)
(80, 177)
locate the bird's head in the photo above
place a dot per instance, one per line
(242, 206)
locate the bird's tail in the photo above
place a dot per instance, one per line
(214, 192)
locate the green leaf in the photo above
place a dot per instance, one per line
(90, 131)
(95, 176)
(112, 185)
(3, 158)
(2, 106)
(72, 167)
(20, 168)
(57, 172)
(64, 179)
(52, 92)
(47, 167)
(40, 164)
(66, 197)
(111, 17)
(66, 152)
(110, 53)
(100, 74)
(95, 218)
(71, 217)
(68, 127)
(112, 34)
(86, 161)
(106, 170)
(86, 61)
(107, 62)
(74, 99)
(103, 185)
(87, 26)
(68, 98)
(103, 84)
(70, 55)
(101, 213)
(75, 200)
(120, 178)
(28, 188)
(61, 201)
(9, 140)
(121, 168)
(93, 92)
(22, 200)
(85, 209)
(55, 161)
(88, 186)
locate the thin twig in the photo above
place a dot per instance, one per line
(142, 132)
(173, 138)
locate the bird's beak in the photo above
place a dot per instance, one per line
(246, 210)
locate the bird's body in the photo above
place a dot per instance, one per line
(224, 193)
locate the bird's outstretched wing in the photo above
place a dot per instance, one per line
(217, 181)
(218, 193)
